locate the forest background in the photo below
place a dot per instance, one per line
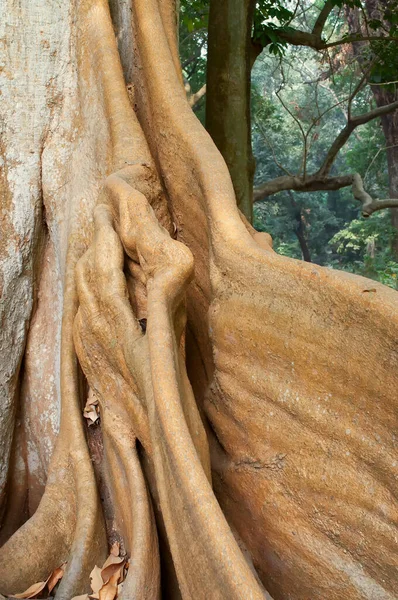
(301, 98)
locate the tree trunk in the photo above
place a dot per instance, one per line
(240, 446)
(228, 93)
(300, 228)
(383, 95)
(390, 129)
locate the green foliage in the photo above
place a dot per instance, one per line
(193, 46)
(336, 234)
(265, 30)
(194, 14)
(363, 247)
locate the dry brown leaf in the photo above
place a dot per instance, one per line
(109, 570)
(33, 590)
(55, 576)
(109, 590)
(83, 597)
(115, 549)
(91, 410)
(123, 574)
(91, 398)
(112, 560)
(91, 416)
(96, 581)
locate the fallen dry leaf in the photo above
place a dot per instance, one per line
(55, 576)
(96, 581)
(109, 570)
(32, 591)
(91, 410)
(109, 590)
(115, 549)
(112, 560)
(83, 597)
(91, 416)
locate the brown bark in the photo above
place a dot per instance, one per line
(240, 445)
(390, 129)
(311, 183)
(228, 92)
(383, 95)
(300, 229)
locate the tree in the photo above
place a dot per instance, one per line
(303, 181)
(252, 27)
(311, 88)
(380, 16)
(236, 388)
(228, 92)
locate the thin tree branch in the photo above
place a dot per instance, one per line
(348, 129)
(296, 37)
(194, 98)
(322, 18)
(315, 183)
(270, 146)
(369, 206)
(297, 121)
(364, 38)
(375, 156)
(312, 183)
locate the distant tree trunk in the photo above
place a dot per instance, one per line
(300, 228)
(228, 92)
(390, 129)
(382, 96)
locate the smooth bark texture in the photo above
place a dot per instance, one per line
(246, 438)
(228, 92)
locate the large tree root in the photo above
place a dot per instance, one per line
(290, 377)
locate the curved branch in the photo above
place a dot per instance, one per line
(312, 183)
(194, 98)
(322, 18)
(316, 183)
(369, 206)
(345, 133)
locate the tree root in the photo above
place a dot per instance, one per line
(289, 359)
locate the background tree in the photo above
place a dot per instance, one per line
(381, 18)
(333, 64)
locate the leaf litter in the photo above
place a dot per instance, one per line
(91, 410)
(39, 588)
(106, 582)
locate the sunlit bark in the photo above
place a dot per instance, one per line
(246, 436)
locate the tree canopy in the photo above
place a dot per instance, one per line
(304, 92)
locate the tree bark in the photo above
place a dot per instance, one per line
(390, 129)
(239, 445)
(228, 92)
(300, 229)
(383, 95)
